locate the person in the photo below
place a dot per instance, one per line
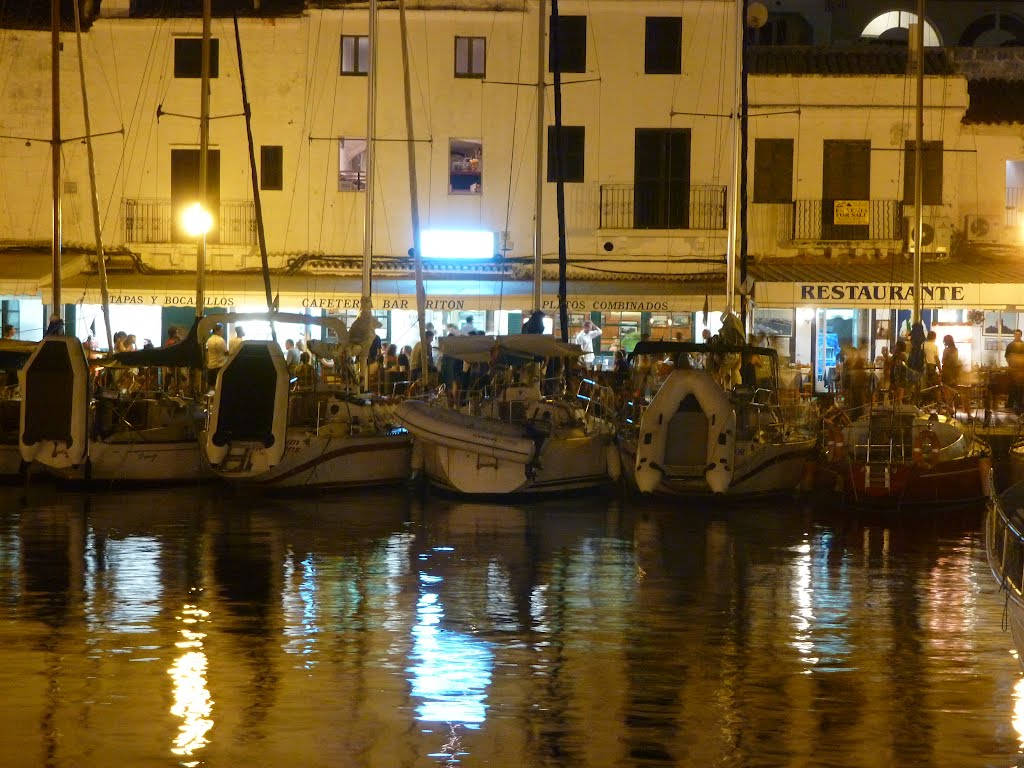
(9, 331)
(1014, 355)
(172, 336)
(452, 330)
(883, 375)
(55, 327)
(932, 365)
(467, 328)
(216, 353)
(535, 324)
(950, 362)
(585, 339)
(237, 341)
(416, 360)
(898, 369)
(291, 353)
(403, 359)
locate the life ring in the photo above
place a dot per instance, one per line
(835, 444)
(926, 448)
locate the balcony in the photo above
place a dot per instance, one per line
(870, 220)
(624, 206)
(151, 221)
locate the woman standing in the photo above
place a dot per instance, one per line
(950, 362)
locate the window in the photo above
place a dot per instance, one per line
(931, 164)
(351, 165)
(773, 170)
(846, 179)
(188, 57)
(466, 166)
(572, 146)
(271, 167)
(185, 190)
(355, 54)
(661, 178)
(572, 44)
(663, 49)
(470, 56)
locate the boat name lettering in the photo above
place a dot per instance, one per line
(878, 292)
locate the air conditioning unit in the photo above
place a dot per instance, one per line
(937, 232)
(983, 228)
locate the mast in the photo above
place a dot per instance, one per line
(538, 222)
(734, 181)
(101, 259)
(556, 53)
(371, 127)
(746, 305)
(204, 148)
(55, 245)
(414, 202)
(261, 233)
(918, 44)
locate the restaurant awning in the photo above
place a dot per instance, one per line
(22, 272)
(245, 290)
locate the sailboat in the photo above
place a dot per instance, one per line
(1004, 549)
(54, 381)
(899, 454)
(514, 435)
(268, 427)
(136, 431)
(706, 431)
(13, 355)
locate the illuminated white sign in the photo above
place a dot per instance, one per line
(457, 244)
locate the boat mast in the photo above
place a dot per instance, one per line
(734, 182)
(414, 202)
(538, 221)
(365, 302)
(261, 233)
(101, 260)
(55, 245)
(918, 46)
(204, 148)
(556, 53)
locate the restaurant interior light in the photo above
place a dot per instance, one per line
(457, 244)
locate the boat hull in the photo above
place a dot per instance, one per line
(1004, 550)
(960, 481)
(348, 461)
(177, 462)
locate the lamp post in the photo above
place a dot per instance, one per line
(197, 222)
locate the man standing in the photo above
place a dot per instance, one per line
(1015, 361)
(416, 363)
(291, 353)
(236, 342)
(216, 353)
(585, 338)
(468, 329)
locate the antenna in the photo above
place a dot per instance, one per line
(757, 15)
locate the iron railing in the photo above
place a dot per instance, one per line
(151, 220)
(810, 222)
(623, 206)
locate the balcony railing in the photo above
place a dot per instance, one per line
(151, 220)
(815, 220)
(1014, 206)
(624, 206)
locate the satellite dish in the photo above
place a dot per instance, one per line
(757, 15)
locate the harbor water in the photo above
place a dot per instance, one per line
(385, 628)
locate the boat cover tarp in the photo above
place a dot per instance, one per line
(49, 394)
(482, 349)
(187, 353)
(248, 385)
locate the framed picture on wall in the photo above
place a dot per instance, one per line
(882, 330)
(1000, 323)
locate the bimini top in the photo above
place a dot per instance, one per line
(524, 347)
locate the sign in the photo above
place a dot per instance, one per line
(847, 212)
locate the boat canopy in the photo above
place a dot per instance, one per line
(14, 353)
(481, 349)
(187, 353)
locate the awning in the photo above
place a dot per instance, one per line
(22, 273)
(245, 289)
(888, 285)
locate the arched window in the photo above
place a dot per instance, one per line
(994, 30)
(894, 26)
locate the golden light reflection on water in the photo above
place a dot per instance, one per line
(803, 613)
(192, 702)
(1018, 709)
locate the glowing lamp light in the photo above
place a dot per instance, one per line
(197, 220)
(457, 244)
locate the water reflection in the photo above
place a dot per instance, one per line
(379, 629)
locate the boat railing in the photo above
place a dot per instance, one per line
(1005, 543)
(597, 400)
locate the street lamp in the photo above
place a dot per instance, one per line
(197, 221)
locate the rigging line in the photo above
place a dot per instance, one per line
(312, 26)
(515, 125)
(163, 113)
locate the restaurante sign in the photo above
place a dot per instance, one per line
(879, 292)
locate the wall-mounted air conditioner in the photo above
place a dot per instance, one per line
(983, 228)
(935, 237)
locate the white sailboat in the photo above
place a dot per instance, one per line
(1004, 548)
(270, 429)
(706, 432)
(515, 439)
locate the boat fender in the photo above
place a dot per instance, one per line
(614, 462)
(926, 448)
(835, 444)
